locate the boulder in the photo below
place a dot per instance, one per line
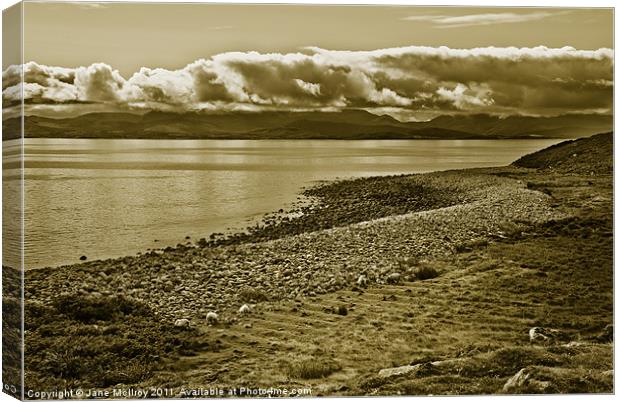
(420, 369)
(526, 381)
(553, 380)
(396, 371)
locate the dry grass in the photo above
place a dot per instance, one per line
(312, 369)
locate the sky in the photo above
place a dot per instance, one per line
(410, 62)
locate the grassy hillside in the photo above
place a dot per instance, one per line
(586, 155)
(565, 126)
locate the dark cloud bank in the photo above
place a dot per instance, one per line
(538, 81)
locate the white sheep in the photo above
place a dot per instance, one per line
(362, 281)
(393, 279)
(182, 322)
(212, 318)
(542, 334)
(245, 309)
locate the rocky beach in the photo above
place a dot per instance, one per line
(363, 244)
(189, 281)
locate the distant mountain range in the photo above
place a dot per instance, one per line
(349, 125)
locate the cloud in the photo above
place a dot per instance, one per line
(89, 6)
(463, 96)
(99, 83)
(405, 80)
(447, 21)
(220, 28)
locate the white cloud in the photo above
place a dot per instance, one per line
(220, 27)
(447, 21)
(464, 97)
(414, 78)
(89, 6)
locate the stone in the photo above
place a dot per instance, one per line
(537, 380)
(396, 371)
(523, 379)
(401, 370)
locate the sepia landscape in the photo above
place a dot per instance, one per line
(413, 201)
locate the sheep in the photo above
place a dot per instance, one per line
(393, 279)
(182, 322)
(362, 281)
(245, 309)
(212, 318)
(542, 334)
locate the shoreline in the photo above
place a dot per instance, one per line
(476, 206)
(293, 218)
(93, 244)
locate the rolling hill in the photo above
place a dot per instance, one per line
(585, 155)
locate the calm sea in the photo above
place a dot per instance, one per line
(108, 198)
